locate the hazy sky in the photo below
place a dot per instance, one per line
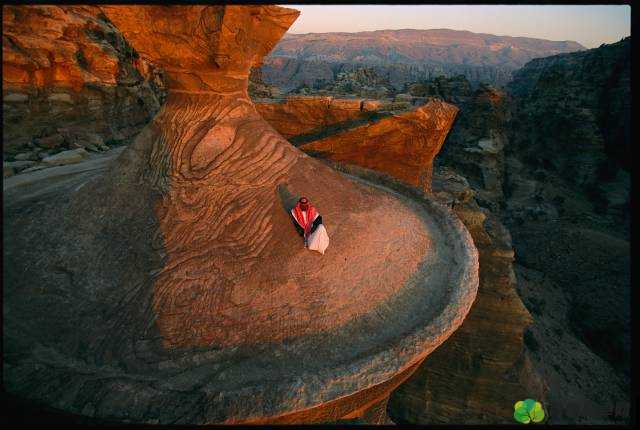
(589, 25)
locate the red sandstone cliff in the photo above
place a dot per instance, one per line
(69, 78)
(402, 146)
(483, 369)
(303, 115)
(183, 257)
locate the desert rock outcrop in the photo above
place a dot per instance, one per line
(590, 97)
(177, 276)
(298, 116)
(70, 78)
(402, 146)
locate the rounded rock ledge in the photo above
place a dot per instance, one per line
(315, 378)
(171, 287)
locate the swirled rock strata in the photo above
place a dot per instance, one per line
(172, 288)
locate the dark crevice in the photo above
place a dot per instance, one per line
(329, 130)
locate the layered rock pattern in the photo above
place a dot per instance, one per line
(298, 116)
(177, 275)
(402, 146)
(70, 79)
(478, 374)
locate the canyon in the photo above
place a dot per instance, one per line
(394, 58)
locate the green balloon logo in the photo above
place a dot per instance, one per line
(528, 410)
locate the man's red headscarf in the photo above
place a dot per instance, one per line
(311, 213)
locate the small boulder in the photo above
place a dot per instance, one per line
(7, 170)
(66, 157)
(34, 168)
(27, 156)
(104, 147)
(18, 166)
(50, 141)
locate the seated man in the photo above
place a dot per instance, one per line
(308, 222)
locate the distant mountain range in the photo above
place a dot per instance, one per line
(402, 56)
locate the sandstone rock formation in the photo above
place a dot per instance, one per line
(69, 78)
(586, 141)
(173, 288)
(477, 375)
(402, 146)
(298, 116)
(486, 359)
(568, 194)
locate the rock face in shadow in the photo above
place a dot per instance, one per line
(568, 196)
(402, 146)
(475, 146)
(69, 79)
(571, 129)
(564, 193)
(173, 287)
(479, 373)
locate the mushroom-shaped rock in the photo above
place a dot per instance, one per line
(173, 287)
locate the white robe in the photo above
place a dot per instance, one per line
(318, 240)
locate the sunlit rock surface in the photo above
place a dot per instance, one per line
(70, 79)
(171, 287)
(402, 145)
(305, 115)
